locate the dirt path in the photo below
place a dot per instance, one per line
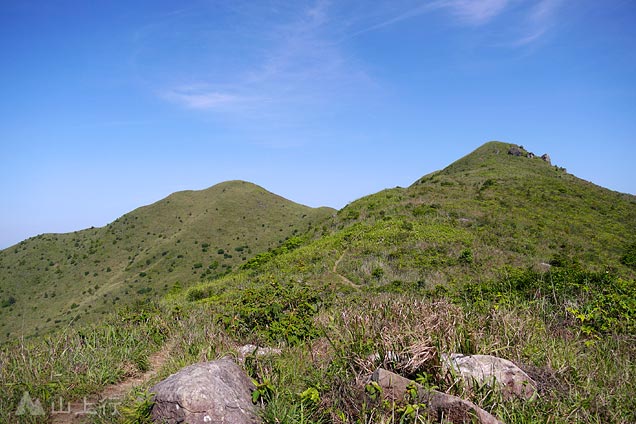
(342, 277)
(107, 400)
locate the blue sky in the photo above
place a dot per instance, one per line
(107, 106)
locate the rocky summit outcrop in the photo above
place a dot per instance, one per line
(516, 151)
(519, 151)
(441, 407)
(492, 371)
(211, 392)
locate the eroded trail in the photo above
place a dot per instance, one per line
(106, 402)
(342, 277)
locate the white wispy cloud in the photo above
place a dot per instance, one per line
(293, 63)
(202, 98)
(540, 19)
(526, 21)
(272, 61)
(466, 12)
(474, 12)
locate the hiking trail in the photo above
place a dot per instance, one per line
(107, 400)
(342, 277)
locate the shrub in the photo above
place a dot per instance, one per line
(629, 258)
(377, 273)
(597, 302)
(277, 312)
(8, 302)
(466, 257)
(195, 294)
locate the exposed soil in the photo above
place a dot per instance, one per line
(342, 277)
(107, 400)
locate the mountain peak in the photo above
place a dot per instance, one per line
(500, 159)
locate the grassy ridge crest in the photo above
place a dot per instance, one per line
(55, 280)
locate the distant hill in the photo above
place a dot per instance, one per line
(53, 280)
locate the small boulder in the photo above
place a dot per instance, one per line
(516, 151)
(546, 157)
(250, 349)
(440, 406)
(543, 267)
(491, 371)
(210, 392)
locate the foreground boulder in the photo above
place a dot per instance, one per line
(441, 406)
(211, 392)
(492, 371)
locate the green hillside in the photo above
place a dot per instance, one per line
(465, 224)
(484, 211)
(53, 280)
(500, 254)
(495, 254)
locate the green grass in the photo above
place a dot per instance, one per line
(55, 280)
(495, 254)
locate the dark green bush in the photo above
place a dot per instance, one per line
(195, 294)
(629, 258)
(599, 302)
(8, 302)
(466, 257)
(277, 312)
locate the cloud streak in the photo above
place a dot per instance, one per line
(289, 64)
(539, 21)
(278, 61)
(532, 19)
(202, 98)
(474, 12)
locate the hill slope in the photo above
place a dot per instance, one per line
(54, 279)
(454, 263)
(484, 211)
(465, 223)
(488, 214)
(496, 254)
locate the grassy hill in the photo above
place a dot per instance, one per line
(465, 224)
(53, 280)
(495, 254)
(484, 211)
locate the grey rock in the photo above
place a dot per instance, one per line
(543, 267)
(516, 151)
(250, 349)
(492, 371)
(441, 406)
(210, 392)
(546, 157)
